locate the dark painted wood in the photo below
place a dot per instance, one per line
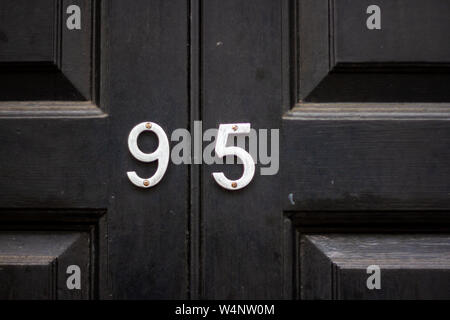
(350, 162)
(384, 87)
(52, 223)
(145, 78)
(366, 165)
(316, 276)
(78, 51)
(412, 266)
(370, 221)
(195, 172)
(63, 162)
(47, 84)
(241, 82)
(310, 38)
(53, 163)
(337, 59)
(49, 157)
(27, 30)
(40, 58)
(33, 264)
(29, 279)
(50, 109)
(411, 31)
(365, 145)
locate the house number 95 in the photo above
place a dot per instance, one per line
(162, 154)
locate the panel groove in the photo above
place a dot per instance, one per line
(195, 177)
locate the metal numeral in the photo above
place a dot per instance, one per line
(161, 154)
(225, 130)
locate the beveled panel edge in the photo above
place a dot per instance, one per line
(49, 109)
(369, 111)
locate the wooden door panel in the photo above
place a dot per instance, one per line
(27, 280)
(411, 31)
(411, 266)
(52, 132)
(338, 59)
(365, 143)
(41, 58)
(53, 163)
(27, 30)
(364, 150)
(342, 164)
(370, 136)
(34, 265)
(66, 112)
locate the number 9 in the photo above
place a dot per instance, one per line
(161, 154)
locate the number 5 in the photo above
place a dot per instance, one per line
(225, 130)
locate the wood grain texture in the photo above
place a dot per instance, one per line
(366, 165)
(412, 266)
(337, 59)
(241, 69)
(364, 144)
(50, 109)
(53, 163)
(311, 40)
(350, 167)
(145, 78)
(52, 225)
(195, 172)
(74, 157)
(33, 264)
(41, 59)
(27, 30)
(77, 48)
(411, 31)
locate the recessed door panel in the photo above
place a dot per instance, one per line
(375, 266)
(45, 265)
(391, 31)
(48, 50)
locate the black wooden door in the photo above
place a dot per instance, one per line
(359, 91)
(366, 149)
(53, 136)
(76, 77)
